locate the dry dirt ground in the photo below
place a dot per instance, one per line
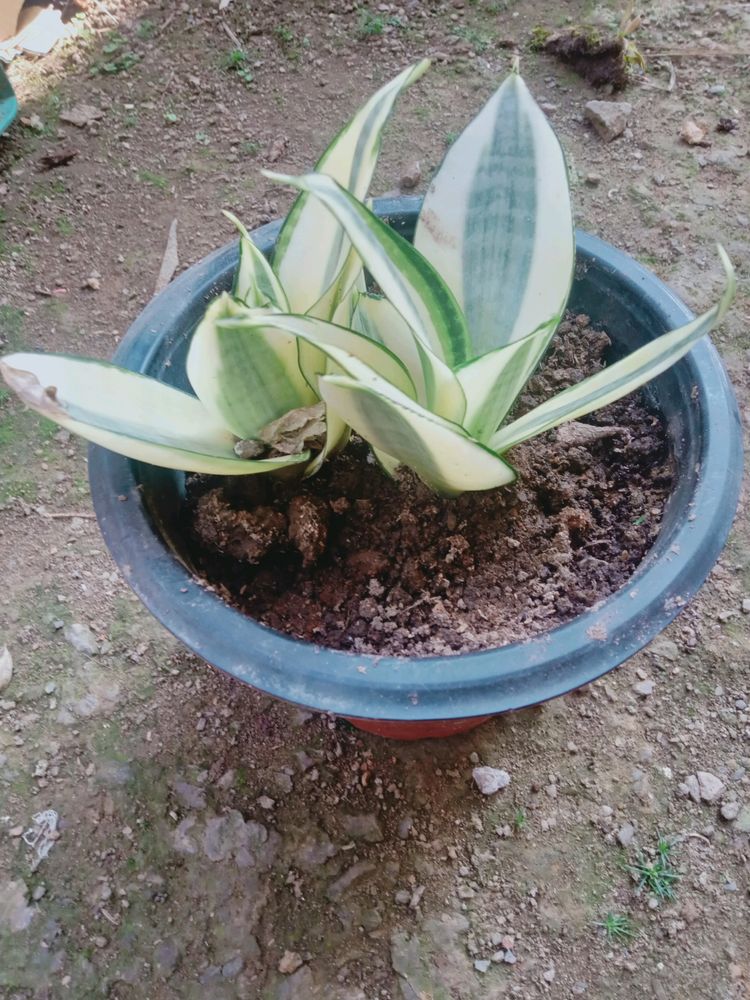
(212, 843)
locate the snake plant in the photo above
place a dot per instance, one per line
(303, 351)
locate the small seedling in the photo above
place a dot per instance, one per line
(171, 118)
(664, 847)
(251, 147)
(629, 24)
(617, 927)
(370, 25)
(284, 35)
(236, 61)
(479, 41)
(520, 821)
(117, 58)
(287, 42)
(149, 177)
(146, 28)
(656, 877)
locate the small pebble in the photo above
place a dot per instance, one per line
(730, 811)
(625, 834)
(411, 177)
(290, 961)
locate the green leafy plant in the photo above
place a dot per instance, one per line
(370, 25)
(236, 62)
(146, 28)
(116, 57)
(480, 41)
(288, 42)
(617, 927)
(302, 351)
(656, 875)
(520, 820)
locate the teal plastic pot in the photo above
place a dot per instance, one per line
(8, 102)
(436, 696)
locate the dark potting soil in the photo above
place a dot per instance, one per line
(356, 561)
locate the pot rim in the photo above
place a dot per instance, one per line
(428, 688)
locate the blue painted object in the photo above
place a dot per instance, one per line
(138, 507)
(8, 102)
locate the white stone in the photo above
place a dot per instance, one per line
(6, 667)
(710, 786)
(609, 118)
(490, 779)
(644, 688)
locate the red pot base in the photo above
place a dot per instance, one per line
(433, 730)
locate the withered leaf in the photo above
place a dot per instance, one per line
(297, 430)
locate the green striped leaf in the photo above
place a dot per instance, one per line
(245, 380)
(324, 348)
(406, 278)
(440, 452)
(340, 292)
(327, 341)
(492, 383)
(255, 284)
(437, 386)
(350, 159)
(496, 221)
(130, 414)
(619, 379)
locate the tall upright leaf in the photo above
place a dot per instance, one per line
(496, 221)
(350, 159)
(255, 284)
(411, 283)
